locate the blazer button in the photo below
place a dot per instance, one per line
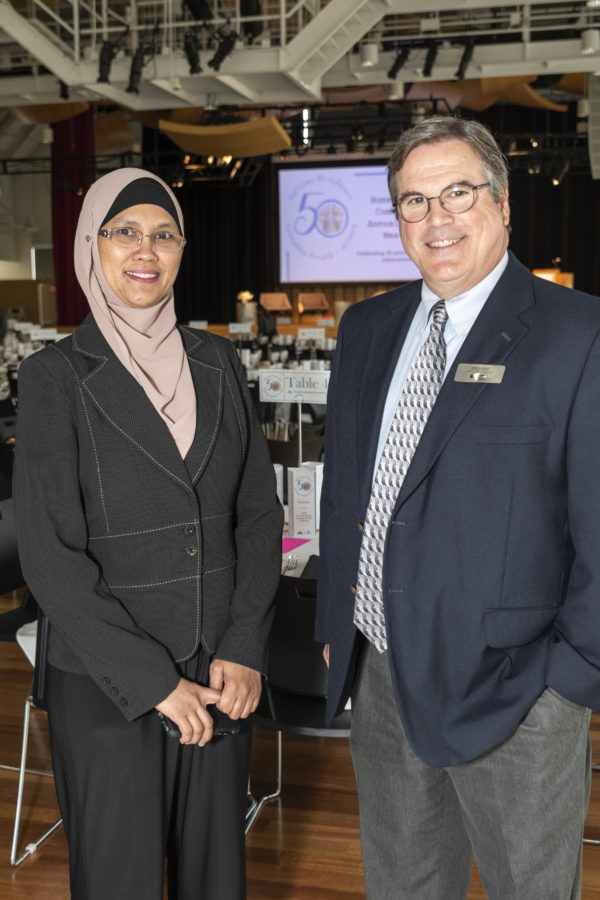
(203, 570)
(353, 588)
(190, 529)
(361, 527)
(123, 701)
(192, 550)
(106, 680)
(114, 691)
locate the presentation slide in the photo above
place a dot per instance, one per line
(336, 223)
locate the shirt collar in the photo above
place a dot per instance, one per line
(464, 308)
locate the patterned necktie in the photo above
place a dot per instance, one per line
(416, 402)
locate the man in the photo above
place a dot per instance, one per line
(460, 544)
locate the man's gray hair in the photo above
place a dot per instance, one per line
(436, 129)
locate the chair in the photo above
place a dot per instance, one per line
(275, 302)
(35, 699)
(293, 701)
(312, 303)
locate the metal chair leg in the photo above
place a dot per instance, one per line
(31, 847)
(257, 805)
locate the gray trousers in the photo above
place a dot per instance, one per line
(519, 808)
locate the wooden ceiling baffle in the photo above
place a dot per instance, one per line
(257, 137)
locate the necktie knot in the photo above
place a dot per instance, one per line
(440, 313)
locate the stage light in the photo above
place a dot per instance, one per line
(430, 59)
(465, 58)
(135, 72)
(107, 54)
(251, 29)
(200, 10)
(399, 62)
(226, 38)
(190, 48)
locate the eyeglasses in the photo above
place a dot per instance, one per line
(456, 198)
(161, 241)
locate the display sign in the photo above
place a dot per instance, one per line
(311, 334)
(293, 386)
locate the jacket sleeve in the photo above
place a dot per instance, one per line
(332, 488)
(132, 669)
(574, 658)
(258, 529)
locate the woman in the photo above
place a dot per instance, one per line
(150, 534)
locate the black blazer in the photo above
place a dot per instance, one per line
(138, 557)
(492, 559)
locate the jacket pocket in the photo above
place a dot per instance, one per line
(514, 626)
(512, 434)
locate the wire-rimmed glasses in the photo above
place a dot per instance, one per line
(130, 238)
(456, 198)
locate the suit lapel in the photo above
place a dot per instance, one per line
(209, 382)
(387, 339)
(124, 404)
(492, 338)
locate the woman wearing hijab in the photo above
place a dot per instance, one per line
(150, 534)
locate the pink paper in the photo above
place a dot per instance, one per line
(289, 544)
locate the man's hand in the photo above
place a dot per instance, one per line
(326, 653)
(239, 686)
(186, 706)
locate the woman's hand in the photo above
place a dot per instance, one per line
(240, 688)
(186, 706)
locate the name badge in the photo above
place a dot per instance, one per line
(479, 373)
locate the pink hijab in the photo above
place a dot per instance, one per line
(146, 341)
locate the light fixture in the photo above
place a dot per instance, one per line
(135, 72)
(226, 38)
(590, 41)
(432, 52)
(593, 4)
(583, 108)
(465, 58)
(369, 55)
(397, 91)
(399, 62)
(559, 172)
(190, 48)
(107, 54)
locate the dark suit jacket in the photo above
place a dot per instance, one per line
(492, 557)
(138, 557)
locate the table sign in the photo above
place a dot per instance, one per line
(327, 323)
(240, 328)
(202, 324)
(293, 386)
(311, 334)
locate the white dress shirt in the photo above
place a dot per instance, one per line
(462, 312)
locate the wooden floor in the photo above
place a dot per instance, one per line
(303, 846)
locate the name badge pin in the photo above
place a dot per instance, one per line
(474, 372)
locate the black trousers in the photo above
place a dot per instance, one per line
(131, 796)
